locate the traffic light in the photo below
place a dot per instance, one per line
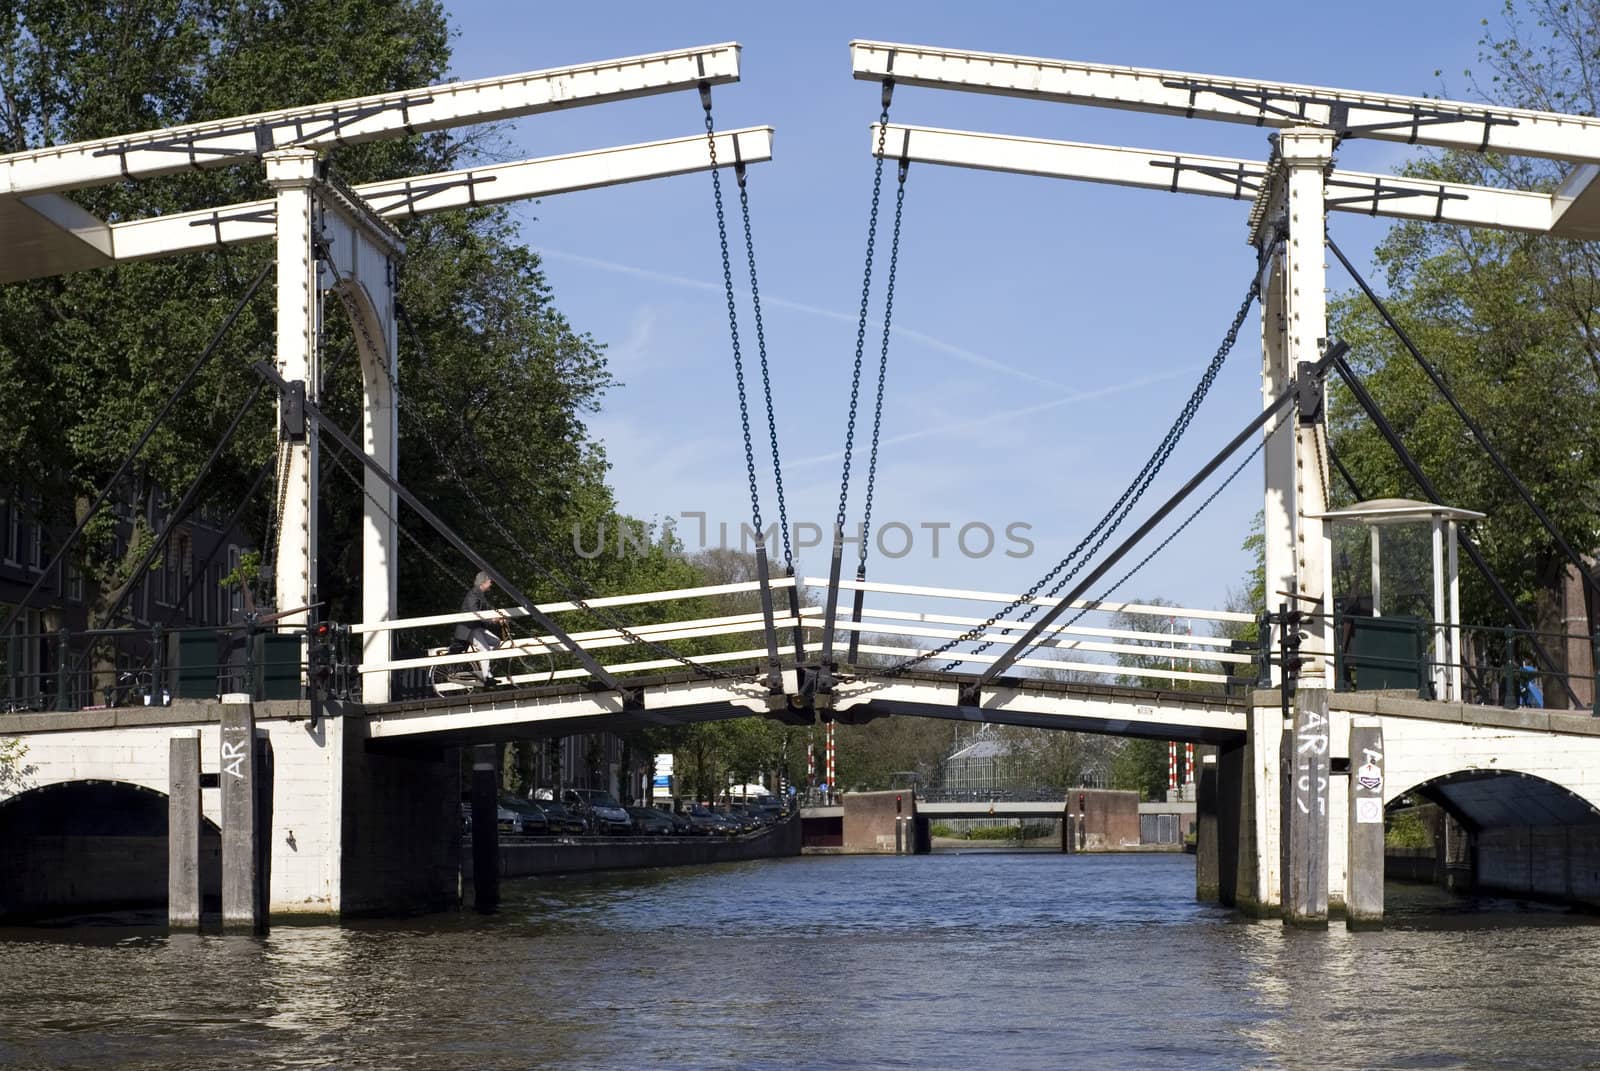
(897, 800)
(319, 656)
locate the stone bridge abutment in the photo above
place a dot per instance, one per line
(347, 831)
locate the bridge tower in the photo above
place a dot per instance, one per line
(330, 240)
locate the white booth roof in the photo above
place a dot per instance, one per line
(1398, 511)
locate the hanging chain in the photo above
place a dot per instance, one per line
(733, 316)
(883, 362)
(1112, 518)
(275, 522)
(861, 325)
(766, 377)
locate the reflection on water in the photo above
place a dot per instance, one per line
(998, 961)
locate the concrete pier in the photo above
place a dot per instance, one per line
(1363, 896)
(184, 821)
(241, 833)
(1207, 848)
(1305, 900)
(485, 827)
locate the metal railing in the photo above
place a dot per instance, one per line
(87, 669)
(1487, 665)
(424, 656)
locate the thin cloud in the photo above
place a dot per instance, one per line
(1009, 414)
(960, 353)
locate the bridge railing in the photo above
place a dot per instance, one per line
(86, 669)
(1478, 664)
(901, 621)
(1140, 654)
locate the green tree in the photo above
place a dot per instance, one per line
(1510, 320)
(1141, 766)
(493, 376)
(14, 769)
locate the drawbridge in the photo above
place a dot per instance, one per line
(1064, 653)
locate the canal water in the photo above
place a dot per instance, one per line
(989, 961)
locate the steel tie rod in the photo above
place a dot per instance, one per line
(1336, 350)
(265, 370)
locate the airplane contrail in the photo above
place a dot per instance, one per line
(1009, 414)
(960, 353)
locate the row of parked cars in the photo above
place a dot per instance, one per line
(592, 812)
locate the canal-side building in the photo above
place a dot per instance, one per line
(182, 588)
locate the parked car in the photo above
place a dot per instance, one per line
(681, 826)
(604, 814)
(649, 822)
(530, 819)
(742, 819)
(768, 807)
(708, 822)
(561, 822)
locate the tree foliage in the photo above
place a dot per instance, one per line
(1510, 320)
(494, 380)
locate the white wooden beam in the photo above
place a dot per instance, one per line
(1350, 113)
(1217, 176)
(256, 221)
(384, 115)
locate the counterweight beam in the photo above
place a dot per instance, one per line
(1220, 176)
(348, 122)
(256, 221)
(1348, 113)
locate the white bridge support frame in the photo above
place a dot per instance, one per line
(1292, 192)
(1289, 233)
(332, 238)
(329, 240)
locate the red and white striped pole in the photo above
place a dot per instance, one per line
(1188, 763)
(1172, 765)
(832, 785)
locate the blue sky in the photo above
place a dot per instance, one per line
(1047, 331)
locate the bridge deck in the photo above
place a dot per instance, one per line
(684, 697)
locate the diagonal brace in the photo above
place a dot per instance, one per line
(327, 427)
(970, 694)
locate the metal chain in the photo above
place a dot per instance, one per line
(733, 316)
(282, 473)
(883, 367)
(766, 377)
(1114, 516)
(1212, 497)
(861, 325)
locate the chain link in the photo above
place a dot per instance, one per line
(861, 325)
(1113, 517)
(733, 316)
(883, 366)
(766, 377)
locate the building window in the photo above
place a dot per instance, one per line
(19, 656)
(235, 592)
(36, 547)
(15, 532)
(74, 583)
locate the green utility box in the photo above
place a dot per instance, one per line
(277, 664)
(1382, 652)
(192, 663)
